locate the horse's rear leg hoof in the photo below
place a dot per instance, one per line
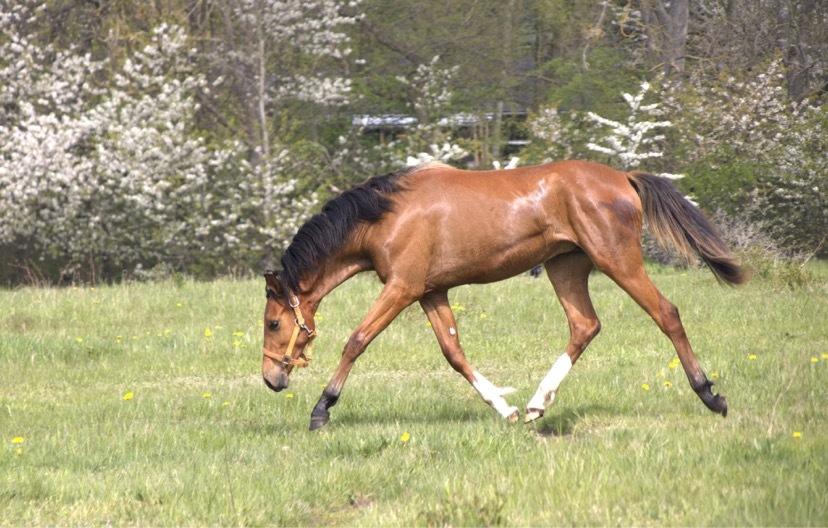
(532, 415)
(715, 402)
(513, 418)
(318, 421)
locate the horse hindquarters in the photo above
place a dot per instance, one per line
(615, 248)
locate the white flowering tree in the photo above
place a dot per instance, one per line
(274, 52)
(636, 140)
(115, 177)
(430, 94)
(758, 153)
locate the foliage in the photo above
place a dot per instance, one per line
(770, 151)
(114, 178)
(630, 143)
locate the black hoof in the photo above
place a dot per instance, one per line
(721, 404)
(715, 402)
(318, 421)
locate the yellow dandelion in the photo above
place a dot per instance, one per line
(484, 315)
(797, 434)
(668, 384)
(714, 375)
(318, 318)
(178, 305)
(288, 395)
(167, 331)
(405, 437)
(752, 357)
(825, 355)
(18, 451)
(236, 343)
(814, 359)
(206, 395)
(119, 338)
(18, 440)
(79, 339)
(225, 404)
(238, 333)
(128, 396)
(645, 386)
(674, 363)
(428, 324)
(208, 332)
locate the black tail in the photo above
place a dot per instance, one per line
(678, 223)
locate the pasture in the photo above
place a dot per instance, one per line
(143, 404)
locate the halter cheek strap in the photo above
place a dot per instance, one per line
(287, 357)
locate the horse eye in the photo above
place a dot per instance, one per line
(273, 325)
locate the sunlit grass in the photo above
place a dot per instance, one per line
(143, 404)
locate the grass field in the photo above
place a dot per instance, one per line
(143, 404)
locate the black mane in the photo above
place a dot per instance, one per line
(325, 232)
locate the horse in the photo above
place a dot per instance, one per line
(430, 228)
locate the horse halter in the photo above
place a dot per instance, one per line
(287, 358)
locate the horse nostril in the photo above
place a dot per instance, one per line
(279, 384)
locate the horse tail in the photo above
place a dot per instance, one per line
(676, 222)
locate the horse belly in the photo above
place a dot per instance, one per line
(483, 259)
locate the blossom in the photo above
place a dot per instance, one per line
(674, 363)
(752, 357)
(206, 395)
(128, 395)
(18, 440)
(668, 384)
(633, 141)
(208, 332)
(797, 434)
(405, 437)
(645, 386)
(814, 359)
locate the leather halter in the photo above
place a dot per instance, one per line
(287, 357)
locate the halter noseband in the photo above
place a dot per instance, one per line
(287, 357)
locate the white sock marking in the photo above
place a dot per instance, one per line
(452, 331)
(493, 395)
(545, 394)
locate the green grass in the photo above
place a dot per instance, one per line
(608, 452)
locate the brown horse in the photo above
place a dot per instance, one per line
(434, 227)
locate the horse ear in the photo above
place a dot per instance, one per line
(273, 282)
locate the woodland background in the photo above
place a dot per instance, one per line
(140, 139)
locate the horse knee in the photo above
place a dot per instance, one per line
(356, 344)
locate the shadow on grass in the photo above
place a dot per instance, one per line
(562, 424)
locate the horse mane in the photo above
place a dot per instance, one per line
(328, 230)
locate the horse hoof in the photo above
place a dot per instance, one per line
(513, 418)
(317, 422)
(722, 405)
(532, 415)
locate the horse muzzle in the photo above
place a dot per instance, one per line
(276, 381)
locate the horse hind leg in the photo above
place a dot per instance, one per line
(627, 270)
(438, 311)
(569, 275)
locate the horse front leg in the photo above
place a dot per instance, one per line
(438, 311)
(393, 299)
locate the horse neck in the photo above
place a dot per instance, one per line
(331, 273)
